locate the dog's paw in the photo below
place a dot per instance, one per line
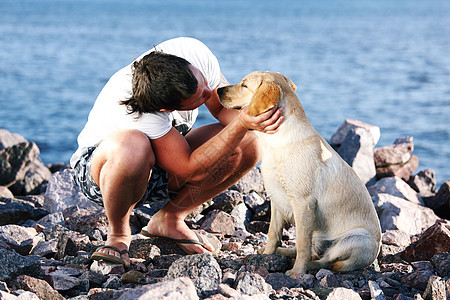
(261, 250)
(294, 273)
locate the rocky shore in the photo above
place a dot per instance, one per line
(48, 230)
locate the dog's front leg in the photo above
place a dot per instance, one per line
(304, 226)
(275, 231)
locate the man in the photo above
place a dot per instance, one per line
(138, 144)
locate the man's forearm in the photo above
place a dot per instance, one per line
(211, 155)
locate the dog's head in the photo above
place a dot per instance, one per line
(259, 90)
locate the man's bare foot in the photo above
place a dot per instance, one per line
(165, 225)
(121, 243)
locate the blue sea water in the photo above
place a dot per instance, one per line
(383, 62)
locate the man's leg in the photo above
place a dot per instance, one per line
(121, 167)
(169, 221)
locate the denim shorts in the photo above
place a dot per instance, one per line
(157, 187)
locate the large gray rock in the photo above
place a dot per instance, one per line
(343, 293)
(399, 214)
(21, 169)
(202, 269)
(248, 283)
(440, 203)
(36, 173)
(62, 193)
(250, 182)
(178, 288)
(13, 211)
(424, 183)
(396, 187)
(18, 238)
(341, 133)
(357, 150)
(13, 265)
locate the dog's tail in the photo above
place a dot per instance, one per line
(357, 249)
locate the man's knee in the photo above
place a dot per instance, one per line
(130, 150)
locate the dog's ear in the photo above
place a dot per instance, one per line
(293, 86)
(266, 97)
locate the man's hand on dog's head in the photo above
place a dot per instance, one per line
(267, 122)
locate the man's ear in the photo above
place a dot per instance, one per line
(267, 96)
(166, 110)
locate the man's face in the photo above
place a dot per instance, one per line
(202, 94)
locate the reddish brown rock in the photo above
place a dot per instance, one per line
(403, 170)
(397, 153)
(38, 286)
(219, 222)
(435, 239)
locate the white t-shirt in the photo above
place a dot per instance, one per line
(107, 115)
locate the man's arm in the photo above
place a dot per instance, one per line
(174, 154)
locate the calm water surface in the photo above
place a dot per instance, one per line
(384, 62)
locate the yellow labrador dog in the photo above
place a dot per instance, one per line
(308, 183)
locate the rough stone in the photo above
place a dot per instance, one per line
(241, 215)
(219, 222)
(341, 133)
(343, 293)
(417, 279)
(396, 238)
(397, 153)
(36, 174)
(273, 263)
(357, 150)
(424, 183)
(248, 283)
(376, 292)
(395, 186)
(440, 203)
(402, 171)
(435, 289)
(13, 265)
(202, 269)
(399, 214)
(280, 280)
(5, 192)
(62, 192)
(14, 161)
(253, 200)
(250, 182)
(441, 262)
(38, 286)
(18, 238)
(141, 248)
(178, 288)
(132, 276)
(226, 201)
(434, 240)
(13, 211)
(62, 282)
(105, 268)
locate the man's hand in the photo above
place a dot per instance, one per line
(267, 122)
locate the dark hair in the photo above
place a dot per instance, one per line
(160, 81)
